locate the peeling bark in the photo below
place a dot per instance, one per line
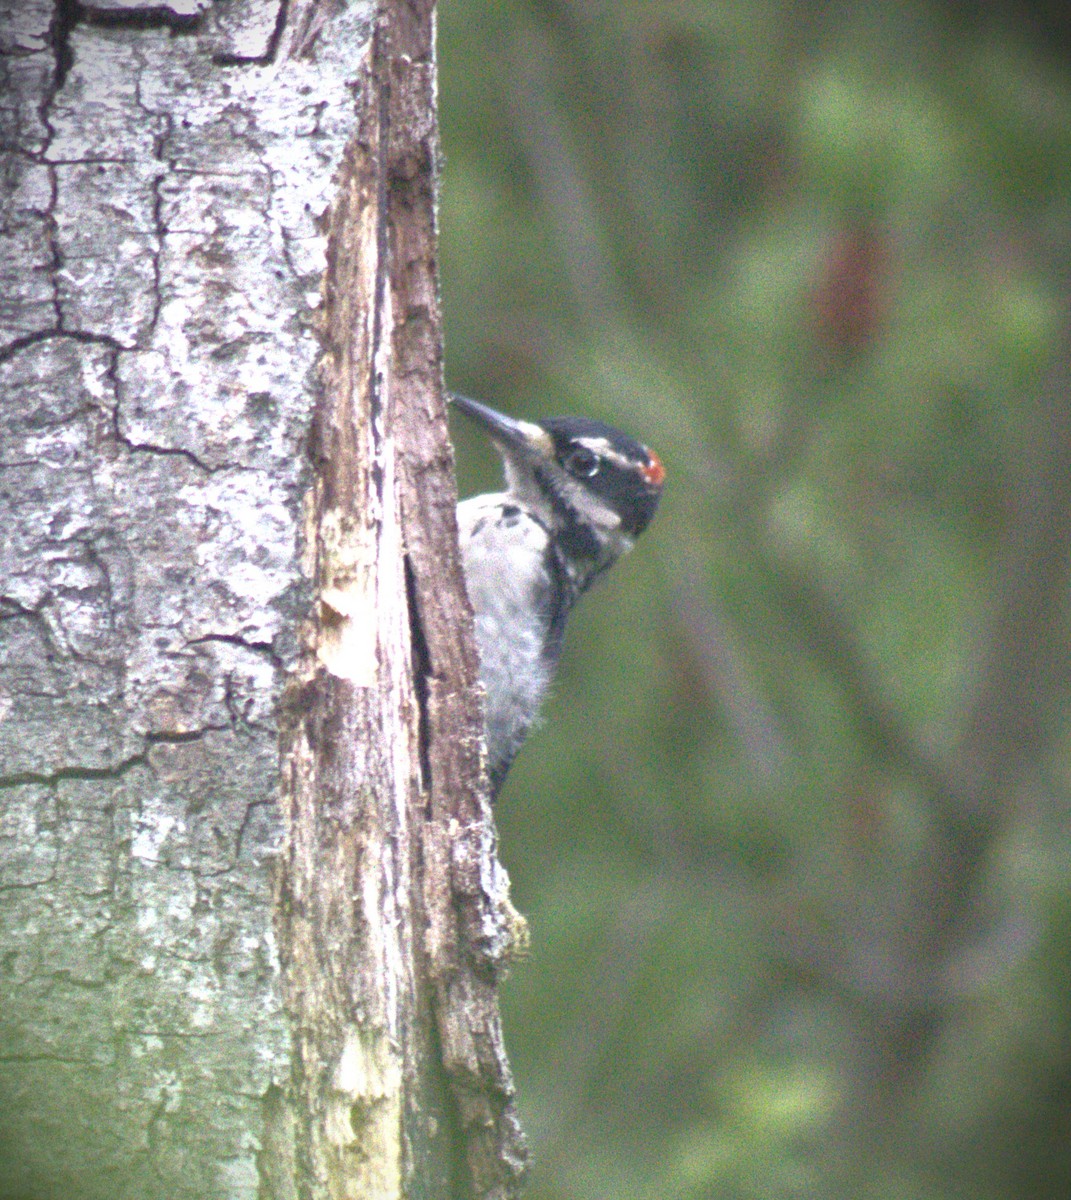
(219, 235)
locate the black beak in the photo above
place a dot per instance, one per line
(507, 432)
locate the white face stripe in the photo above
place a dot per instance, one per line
(604, 450)
(600, 515)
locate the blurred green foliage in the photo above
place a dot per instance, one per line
(794, 838)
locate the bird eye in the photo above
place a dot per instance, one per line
(582, 462)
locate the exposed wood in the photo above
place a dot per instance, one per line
(382, 442)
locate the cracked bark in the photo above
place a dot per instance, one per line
(229, 529)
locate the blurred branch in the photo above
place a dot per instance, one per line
(903, 979)
(728, 677)
(1026, 657)
(612, 983)
(553, 158)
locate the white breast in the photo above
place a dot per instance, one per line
(504, 553)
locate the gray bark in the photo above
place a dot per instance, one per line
(217, 238)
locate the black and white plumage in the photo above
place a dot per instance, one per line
(578, 494)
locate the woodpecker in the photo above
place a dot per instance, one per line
(578, 494)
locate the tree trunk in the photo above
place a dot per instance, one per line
(229, 574)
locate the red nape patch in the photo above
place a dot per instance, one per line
(652, 470)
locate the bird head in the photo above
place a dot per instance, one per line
(594, 487)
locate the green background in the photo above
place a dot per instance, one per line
(794, 836)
